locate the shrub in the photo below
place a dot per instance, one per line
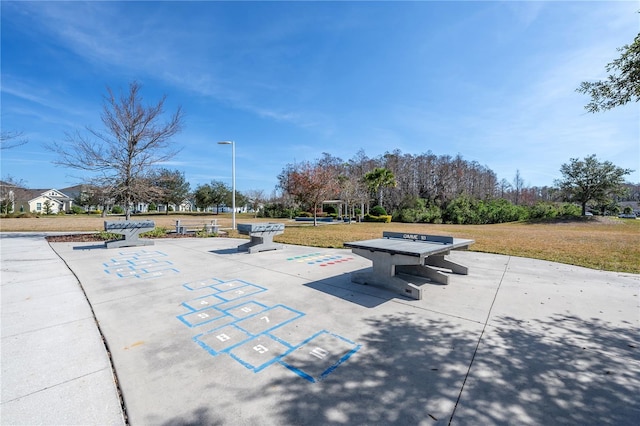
(569, 209)
(461, 211)
(95, 212)
(553, 210)
(305, 214)
(330, 210)
(377, 211)
(466, 210)
(278, 210)
(417, 210)
(501, 211)
(381, 218)
(203, 233)
(153, 207)
(117, 210)
(104, 235)
(543, 211)
(156, 232)
(77, 210)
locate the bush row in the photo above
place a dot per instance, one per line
(461, 210)
(466, 210)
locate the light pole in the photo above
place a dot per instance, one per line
(233, 180)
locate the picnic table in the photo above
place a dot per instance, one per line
(184, 226)
(411, 256)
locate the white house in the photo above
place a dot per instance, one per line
(40, 201)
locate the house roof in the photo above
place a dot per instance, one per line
(32, 194)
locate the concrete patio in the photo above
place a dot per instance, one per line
(199, 333)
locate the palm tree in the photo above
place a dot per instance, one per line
(378, 179)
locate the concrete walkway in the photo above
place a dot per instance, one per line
(55, 369)
(202, 334)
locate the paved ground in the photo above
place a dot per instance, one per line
(201, 334)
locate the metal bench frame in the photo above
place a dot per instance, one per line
(131, 231)
(261, 236)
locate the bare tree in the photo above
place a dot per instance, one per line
(256, 198)
(504, 188)
(309, 183)
(11, 140)
(8, 187)
(518, 185)
(354, 192)
(133, 140)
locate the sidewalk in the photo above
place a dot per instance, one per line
(202, 334)
(55, 369)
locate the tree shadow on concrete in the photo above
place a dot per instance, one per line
(200, 417)
(410, 370)
(562, 370)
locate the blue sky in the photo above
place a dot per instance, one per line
(287, 81)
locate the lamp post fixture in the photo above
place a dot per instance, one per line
(233, 180)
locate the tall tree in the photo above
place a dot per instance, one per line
(221, 194)
(202, 196)
(590, 180)
(622, 84)
(518, 185)
(310, 184)
(134, 139)
(170, 185)
(378, 179)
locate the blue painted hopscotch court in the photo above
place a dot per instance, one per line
(141, 264)
(243, 329)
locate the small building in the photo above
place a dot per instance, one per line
(42, 201)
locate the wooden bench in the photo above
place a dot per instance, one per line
(261, 236)
(184, 226)
(412, 256)
(131, 230)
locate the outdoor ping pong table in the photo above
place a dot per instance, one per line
(410, 255)
(261, 235)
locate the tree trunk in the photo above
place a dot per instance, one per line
(315, 215)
